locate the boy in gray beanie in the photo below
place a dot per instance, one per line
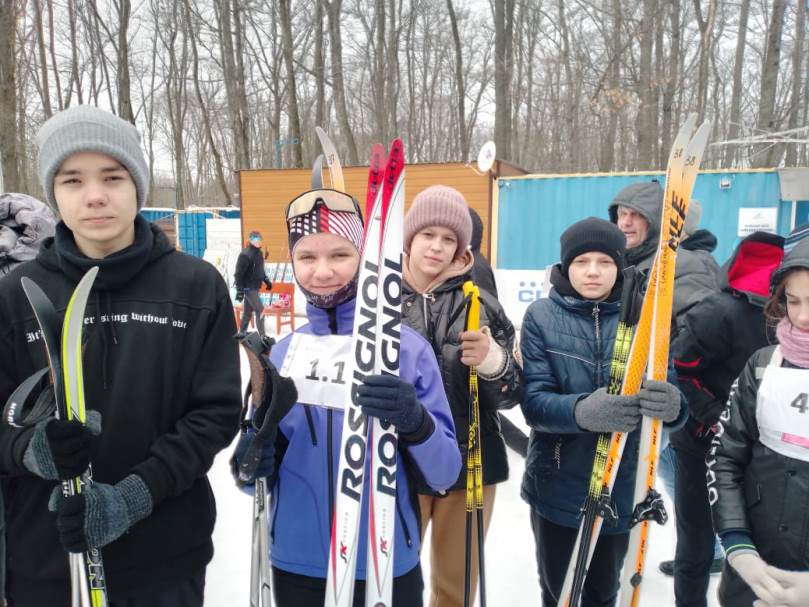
(437, 261)
(161, 383)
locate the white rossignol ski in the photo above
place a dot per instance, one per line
(633, 376)
(383, 437)
(353, 441)
(648, 503)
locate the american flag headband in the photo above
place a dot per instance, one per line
(324, 211)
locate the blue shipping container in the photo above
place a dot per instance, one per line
(191, 234)
(532, 212)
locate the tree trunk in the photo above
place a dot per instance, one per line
(462, 138)
(705, 46)
(292, 92)
(75, 78)
(43, 60)
(766, 157)
(8, 99)
(503, 35)
(798, 54)
(124, 93)
(319, 67)
(644, 160)
(333, 10)
(734, 126)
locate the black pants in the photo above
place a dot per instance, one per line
(187, 593)
(252, 306)
(293, 590)
(554, 547)
(695, 536)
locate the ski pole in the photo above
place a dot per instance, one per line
(474, 463)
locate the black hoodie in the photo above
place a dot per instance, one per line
(720, 333)
(162, 369)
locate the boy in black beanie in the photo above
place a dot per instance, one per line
(567, 343)
(161, 381)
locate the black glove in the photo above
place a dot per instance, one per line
(393, 400)
(60, 449)
(239, 294)
(602, 412)
(254, 456)
(268, 283)
(264, 450)
(660, 399)
(101, 513)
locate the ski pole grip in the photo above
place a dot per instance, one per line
(472, 291)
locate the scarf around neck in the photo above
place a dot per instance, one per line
(794, 343)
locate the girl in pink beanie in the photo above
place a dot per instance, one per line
(437, 261)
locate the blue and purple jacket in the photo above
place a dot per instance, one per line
(307, 458)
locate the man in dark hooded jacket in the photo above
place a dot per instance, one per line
(718, 336)
(636, 210)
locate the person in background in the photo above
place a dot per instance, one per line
(758, 462)
(25, 223)
(636, 210)
(567, 343)
(718, 336)
(249, 276)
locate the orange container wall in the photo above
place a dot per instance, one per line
(266, 192)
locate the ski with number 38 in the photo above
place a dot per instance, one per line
(375, 345)
(648, 503)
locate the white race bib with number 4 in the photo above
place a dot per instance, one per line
(320, 367)
(782, 411)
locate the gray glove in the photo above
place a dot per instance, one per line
(602, 412)
(101, 513)
(659, 399)
(60, 449)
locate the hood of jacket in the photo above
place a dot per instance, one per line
(646, 199)
(751, 265)
(798, 257)
(701, 240)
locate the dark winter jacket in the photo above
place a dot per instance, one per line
(567, 347)
(310, 441)
(719, 334)
(162, 369)
(430, 316)
(695, 275)
(482, 274)
(249, 273)
(755, 492)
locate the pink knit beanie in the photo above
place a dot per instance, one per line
(439, 205)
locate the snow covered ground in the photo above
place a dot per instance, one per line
(511, 566)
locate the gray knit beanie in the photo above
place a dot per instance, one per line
(439, 205)
(85, 128)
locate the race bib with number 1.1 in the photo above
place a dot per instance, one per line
(320, 367)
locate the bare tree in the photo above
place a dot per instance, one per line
(292, 94)
(734, 125)
(8, 98)
(333, 10)
(769, 83)
(706, 25)
(503, 36)
(463, 139)
(798, 54)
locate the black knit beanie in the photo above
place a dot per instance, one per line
(593, 234)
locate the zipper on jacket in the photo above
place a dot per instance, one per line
(557, 453)
(311, 423)
(597, 322)
(406, 531)
(427, 324)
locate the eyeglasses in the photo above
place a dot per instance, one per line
(331, 199)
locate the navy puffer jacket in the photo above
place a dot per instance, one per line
(567, 346)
